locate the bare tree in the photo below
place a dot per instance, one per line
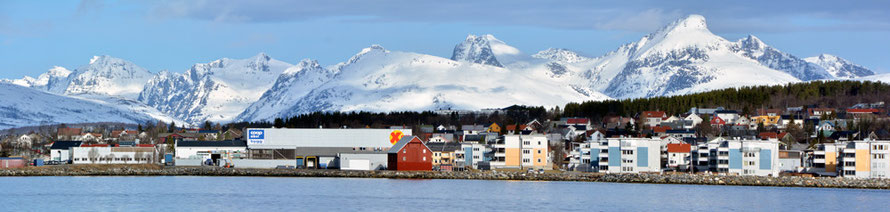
(93, 154)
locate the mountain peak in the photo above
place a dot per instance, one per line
(559, 54)
(261, 56)
(693, 22)
(479, 49)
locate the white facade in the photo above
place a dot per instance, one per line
(691, 121)
(729, 118)
(618, 155)
(271, 138)
(113, 155)
(747, 157)
(363, 161)
(471, 154)
(192, 152)
(59, 154)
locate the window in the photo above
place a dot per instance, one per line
(848, 163)
(749, 163)
(750, 154)
(539, 151)
(526, 143)
(475, 157)
(627, 152)
(849, 172)
(539, 160)
(424, 151)
(525, 151)
(404, 158)
(877, 156)
(476, 149)
(424, 158)
(526, 160)
(539, 143)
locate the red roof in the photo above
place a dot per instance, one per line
(863, 111)
(660, 129)
(145, 145)
(717, 120)
(577, 121)
(768, 135)
(681, 148)
(69, 131)
(652, 114)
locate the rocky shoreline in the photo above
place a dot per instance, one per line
(697, 179)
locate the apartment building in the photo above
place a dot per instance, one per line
(745, 157)
(864, 159)
(521, 151)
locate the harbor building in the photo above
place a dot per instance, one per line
(318, 148)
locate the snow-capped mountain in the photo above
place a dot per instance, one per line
(483, 72)
(683, 57)
(24, 106)
(838, 67)
(104, 75)
(290, 87)
(376, 79)
(752, 47)
(216, 91)
(561, 55)
(485, 49)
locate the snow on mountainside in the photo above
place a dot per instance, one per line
(885, 78)
(683, 57)
(561, 55)
(838, 67)
(216, 91)
(752, 47)
(103, 75)
(290, 87)
(376, 79)
(32, 107)
(485, 49)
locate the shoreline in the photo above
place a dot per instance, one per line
(669, 178)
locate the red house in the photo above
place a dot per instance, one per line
(410, 154)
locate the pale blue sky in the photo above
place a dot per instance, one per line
(173, 35)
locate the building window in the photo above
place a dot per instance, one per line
(525, 151)
(475, 149)
(404, 158)
(475, 157)
(627, 152)
(539, 151)
(539, 160)
(424, 158)
(424, 151)
(526, 160)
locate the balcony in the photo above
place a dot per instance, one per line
(819, 161)
(849, 159)
(819, 152)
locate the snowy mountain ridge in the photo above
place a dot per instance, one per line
(483, 72)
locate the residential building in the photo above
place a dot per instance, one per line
(444, 155)
(791, 161)
(865, 159)
(691, 121)
(825, 159)
(653, 118)
(745, 157)
(678, 156)
(472, 155)
(521, 151)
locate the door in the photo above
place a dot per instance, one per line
(359, 165)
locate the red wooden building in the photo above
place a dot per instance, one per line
(410, 154)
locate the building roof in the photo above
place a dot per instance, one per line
(327, 151)
(231, 143)
(69, 131)
(577, 121)
(660, 129)
(443, 147)
(65, 144)
(404, 142)
(679, 148)
(654, 114)
(863, 110)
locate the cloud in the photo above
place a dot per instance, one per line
(735, 16)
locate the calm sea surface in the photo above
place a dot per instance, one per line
(340, 194)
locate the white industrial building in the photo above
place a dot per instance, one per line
(113, 155)
(60, 150)
(363, 161)
(319, 148)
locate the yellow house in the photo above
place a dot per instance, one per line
(766, 120)
(495, 128)
(443, 153)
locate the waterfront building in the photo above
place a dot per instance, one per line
(104, 154)
(410, 154)
(865, 159)
(678, 156)
(745, 157)
(521, 152)
(365, 161)
(472, 155)
(443, 154)
(315, 148)
(790, 161)
(60, 150)
(825, 159)
(618, 155)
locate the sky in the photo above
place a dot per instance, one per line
(173, 35)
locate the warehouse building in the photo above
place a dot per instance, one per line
(320, 148)
(59, 151)
(113, 155)
(196, 153)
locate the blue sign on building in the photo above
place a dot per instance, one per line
(256, 136)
